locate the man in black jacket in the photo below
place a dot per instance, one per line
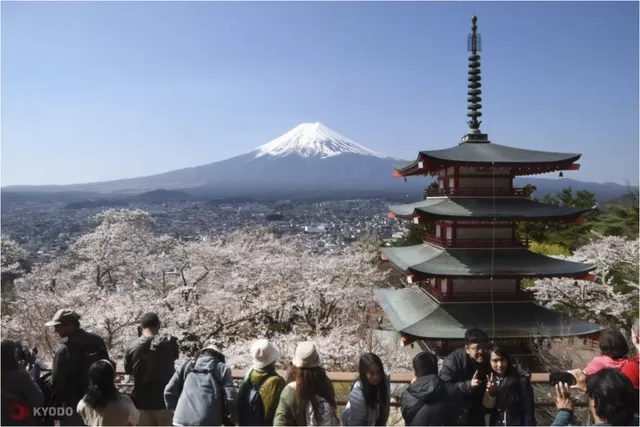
(73, 358)
(467, 368)
(429, 401)
(150, 360)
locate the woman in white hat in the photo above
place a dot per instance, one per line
(309, 398)
(260, 390)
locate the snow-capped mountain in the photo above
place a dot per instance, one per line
(312, 140)
(309, 161)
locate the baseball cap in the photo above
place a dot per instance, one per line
(63, 316)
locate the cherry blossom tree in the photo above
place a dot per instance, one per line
(612, 297)
(13, 259)
(233, 289)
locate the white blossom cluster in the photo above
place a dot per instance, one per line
(611, 295)
(233, 289)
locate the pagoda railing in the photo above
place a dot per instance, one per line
(476, 192)
(521, 295)
(477, 243)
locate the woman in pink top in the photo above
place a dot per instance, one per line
(613, 349)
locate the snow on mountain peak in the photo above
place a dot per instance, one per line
(312, 140)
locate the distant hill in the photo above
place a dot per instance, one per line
(162, 196)
(310, 162)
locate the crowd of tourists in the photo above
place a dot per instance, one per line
(477, 384)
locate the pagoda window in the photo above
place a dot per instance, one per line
(443, 288)
(438, 233)
(449, 233)
(441, 184)
(452, 183)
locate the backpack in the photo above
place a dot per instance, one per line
(190, 369)
(328, 416)
(251, 410)
(153, 364)
(81, 356)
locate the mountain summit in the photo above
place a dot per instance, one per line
(312, 140)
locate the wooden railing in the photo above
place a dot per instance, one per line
(124, 382)
(476, 192)
(477, 243)
(521, 295)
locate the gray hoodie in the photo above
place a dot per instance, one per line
(201, 393)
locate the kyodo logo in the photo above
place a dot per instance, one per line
(19, 412)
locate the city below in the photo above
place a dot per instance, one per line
(45, 231)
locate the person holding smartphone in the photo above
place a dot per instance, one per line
(509, 394)
(611, 398)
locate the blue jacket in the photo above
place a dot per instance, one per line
(204, 397)
(358, 413)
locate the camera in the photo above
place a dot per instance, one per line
(26, 356)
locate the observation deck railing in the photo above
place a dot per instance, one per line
(124, 383)
(477, 243)
(476, 192)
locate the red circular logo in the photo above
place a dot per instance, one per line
(18, 411)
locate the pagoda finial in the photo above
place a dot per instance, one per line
(474, 92)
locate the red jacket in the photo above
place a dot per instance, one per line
(632, 370)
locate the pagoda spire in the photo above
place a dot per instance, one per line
(474, 106)
(474, 92)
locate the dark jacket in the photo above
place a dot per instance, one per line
(67, 383)
(150, 360)
(521, 413)
(18, 388)
(458, 369)
(429, 401)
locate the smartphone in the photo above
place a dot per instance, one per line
(561, 377)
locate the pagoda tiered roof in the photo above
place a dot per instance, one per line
(430, 261)
(486, 154)
(517, 209)
(413, 312)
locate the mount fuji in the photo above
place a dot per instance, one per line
(309, 160)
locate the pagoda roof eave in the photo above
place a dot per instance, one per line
(467, 208)
(413, 312)
(483, 154)
(430, 261)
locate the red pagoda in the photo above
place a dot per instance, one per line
(468, 273)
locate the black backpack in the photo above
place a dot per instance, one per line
(251, 411)
(81, 356)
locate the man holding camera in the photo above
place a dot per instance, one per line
(69, 373)
(150, 360)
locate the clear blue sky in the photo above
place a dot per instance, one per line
(97, 91)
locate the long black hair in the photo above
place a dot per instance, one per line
(373, 394)
(102, 388)
(508, 393)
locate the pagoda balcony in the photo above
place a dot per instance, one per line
(521, 295)
(476, 192)
(445, 243)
